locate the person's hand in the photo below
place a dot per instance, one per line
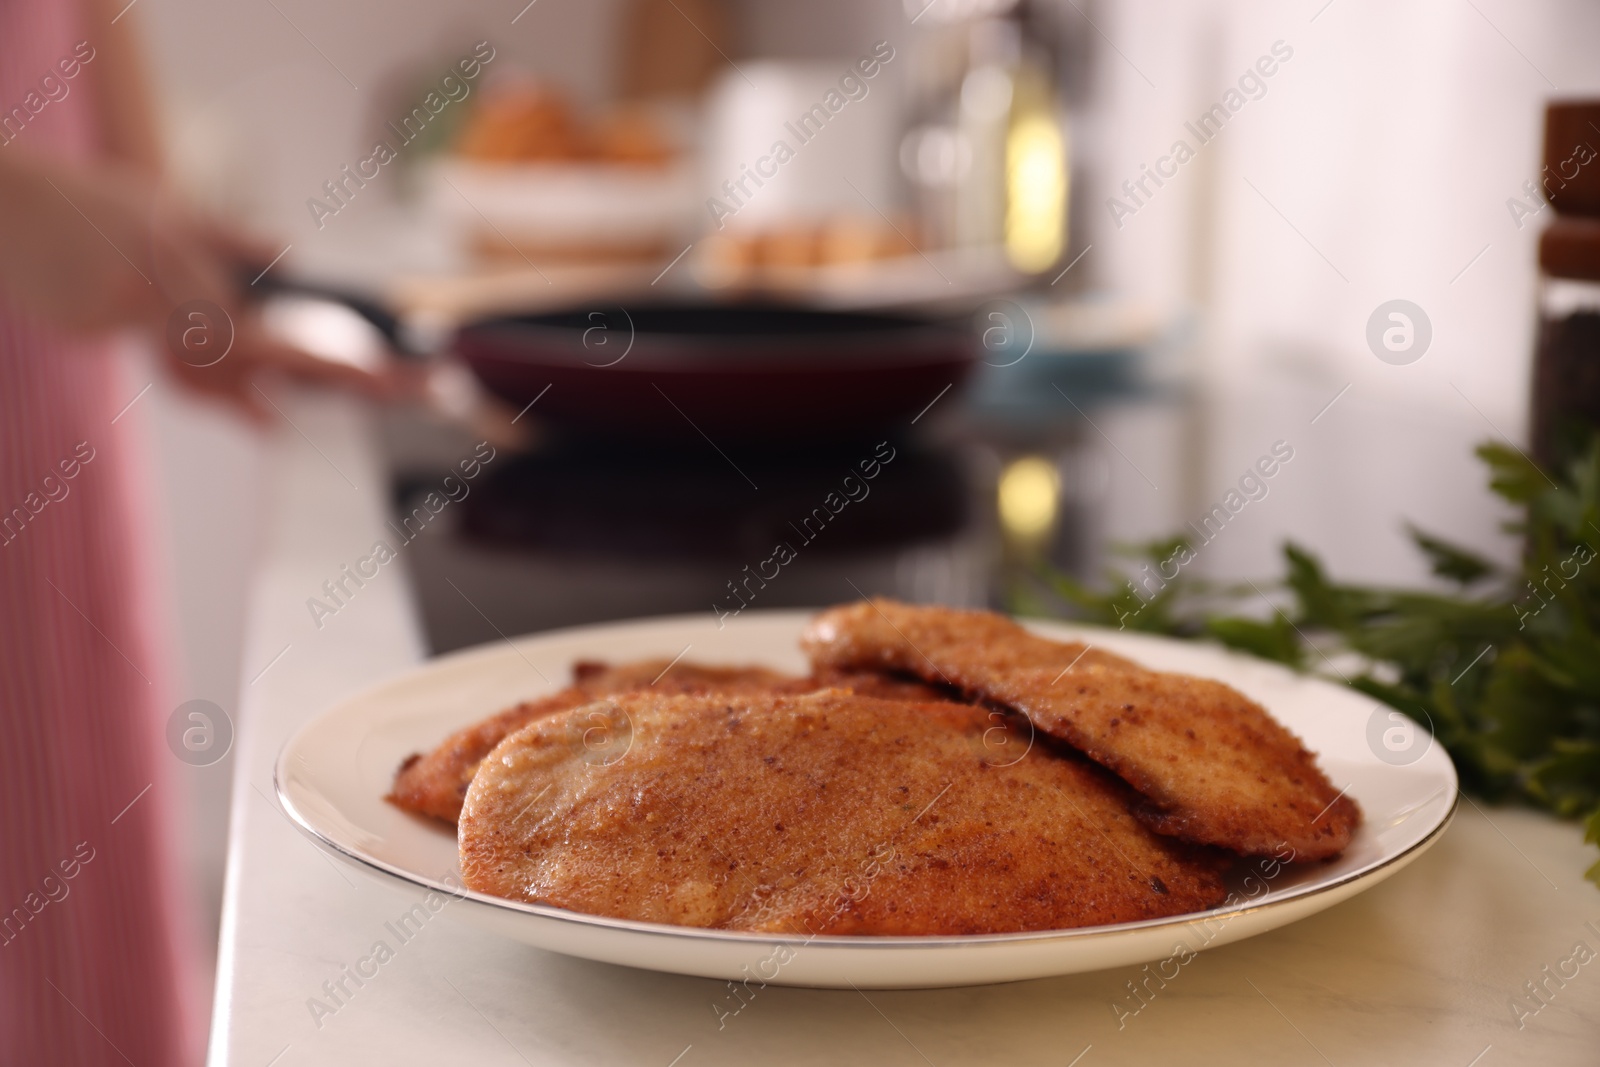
(98, 250)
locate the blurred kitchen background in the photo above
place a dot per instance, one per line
(1142, 340)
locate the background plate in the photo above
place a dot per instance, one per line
(332, 775)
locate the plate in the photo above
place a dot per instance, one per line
(332, 775)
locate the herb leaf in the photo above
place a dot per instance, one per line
(1451, 561)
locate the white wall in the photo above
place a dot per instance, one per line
(268, 106)
(1390, 142)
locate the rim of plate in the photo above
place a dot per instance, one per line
(872, 941)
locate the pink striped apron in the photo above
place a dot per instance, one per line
(93, 964)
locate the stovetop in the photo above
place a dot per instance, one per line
(583, 530)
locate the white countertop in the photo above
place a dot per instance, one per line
(1423, 969)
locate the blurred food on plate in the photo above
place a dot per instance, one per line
(534, 178)
(788, 251)
(528, 122)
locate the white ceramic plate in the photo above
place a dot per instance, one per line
(331, 778)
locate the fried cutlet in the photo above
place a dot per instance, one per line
(434, 784)
(820, 813)
(1212, 765)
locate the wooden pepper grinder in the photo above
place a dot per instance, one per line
(1566, 373)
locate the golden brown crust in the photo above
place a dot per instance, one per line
(434, 784)
(1214, 767)
(825, 813)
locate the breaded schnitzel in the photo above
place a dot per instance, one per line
(820, 813)
(1213, 766)
(434, 784)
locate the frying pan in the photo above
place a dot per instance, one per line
(734, 370)
(699, 368)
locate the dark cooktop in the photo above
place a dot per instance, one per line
(683, 502)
